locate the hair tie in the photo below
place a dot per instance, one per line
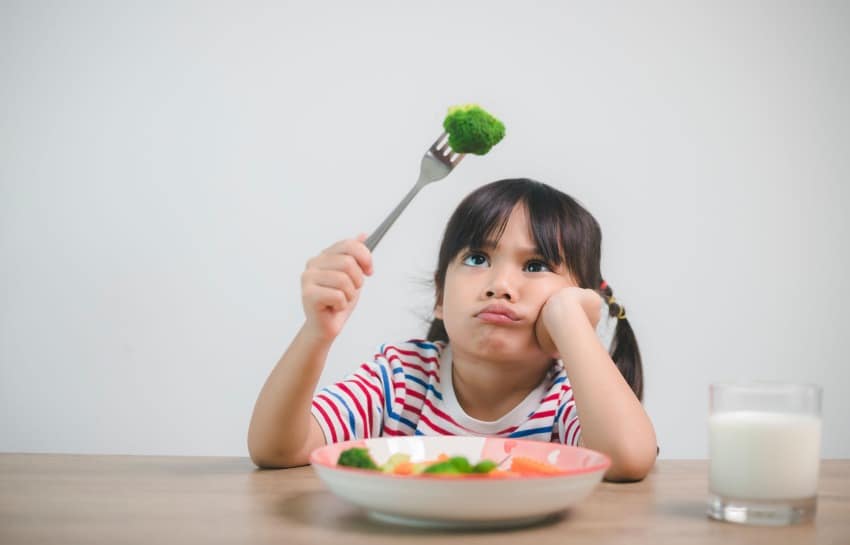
(603, 285)
(620, 315)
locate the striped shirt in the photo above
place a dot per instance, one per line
(406, 389)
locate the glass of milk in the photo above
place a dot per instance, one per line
(764, 452)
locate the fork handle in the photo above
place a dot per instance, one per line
(379, 233)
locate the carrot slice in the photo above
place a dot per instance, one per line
(530, 466)
(404, 468)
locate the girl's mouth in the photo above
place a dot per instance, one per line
(495, 318)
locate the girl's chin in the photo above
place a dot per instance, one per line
(500, 348)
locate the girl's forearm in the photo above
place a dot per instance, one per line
(280, 424)
(612, 418)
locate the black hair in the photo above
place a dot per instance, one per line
(564, 232)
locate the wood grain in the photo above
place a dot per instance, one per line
(68, 499)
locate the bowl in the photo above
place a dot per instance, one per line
(469, 501)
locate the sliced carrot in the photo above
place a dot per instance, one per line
(404, 468)
(530, 466)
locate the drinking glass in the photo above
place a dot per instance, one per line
(764, 452)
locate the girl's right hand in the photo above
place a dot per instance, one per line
(330, 286)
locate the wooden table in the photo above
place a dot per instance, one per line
(72, 499)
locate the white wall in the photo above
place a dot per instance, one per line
(166, 170)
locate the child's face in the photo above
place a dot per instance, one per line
(492, 296)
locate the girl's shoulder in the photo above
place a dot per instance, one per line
(417, 349)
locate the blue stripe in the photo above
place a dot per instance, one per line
(388, 400)
(347, 408)
(425, 385)
(560, 410)
(418, 433)
(559, 380)
(533, 431)
(425, 345)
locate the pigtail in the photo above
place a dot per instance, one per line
(624, 347)
(437, 331)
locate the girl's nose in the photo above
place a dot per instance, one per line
(497, 294)
(501, 287)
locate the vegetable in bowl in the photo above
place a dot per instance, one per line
(357, 457)
(444, 465)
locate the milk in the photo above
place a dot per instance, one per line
(764, 455)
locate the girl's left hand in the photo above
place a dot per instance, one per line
(560, 309)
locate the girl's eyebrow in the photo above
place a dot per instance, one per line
(524, 250)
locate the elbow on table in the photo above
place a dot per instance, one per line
(266, 457)
(271, 460)
(631, 464)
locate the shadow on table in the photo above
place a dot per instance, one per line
(320, 508)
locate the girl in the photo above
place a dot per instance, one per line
(516, 348)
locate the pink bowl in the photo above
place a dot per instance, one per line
(465, 502)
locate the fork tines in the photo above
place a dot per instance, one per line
(442, 151)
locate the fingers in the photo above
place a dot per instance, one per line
(356, 249)
(333, 278)
(342, 263)
(320, 298)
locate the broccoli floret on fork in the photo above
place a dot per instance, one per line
(472, 129)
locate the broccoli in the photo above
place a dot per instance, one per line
(472, 130)
(454, 465)
(357, 457)
(457, 465)
(484, 466)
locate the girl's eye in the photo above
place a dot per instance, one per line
(475, 260)
(537, 266)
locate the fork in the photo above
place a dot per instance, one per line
(437, 163)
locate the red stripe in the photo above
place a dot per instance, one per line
(506, 430)
(426, 420)
(335, 409)
(567, 433)
(419, 356)
(371, 386)
(542, 414)
(549, 398)
(327, 421)
(376, 377)
(415, 394)
(412, 409)
(443, 415)
(390, 431)
(368, 407)
(567, 412)
(428, 373)
(355, 401)
(368, 369)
